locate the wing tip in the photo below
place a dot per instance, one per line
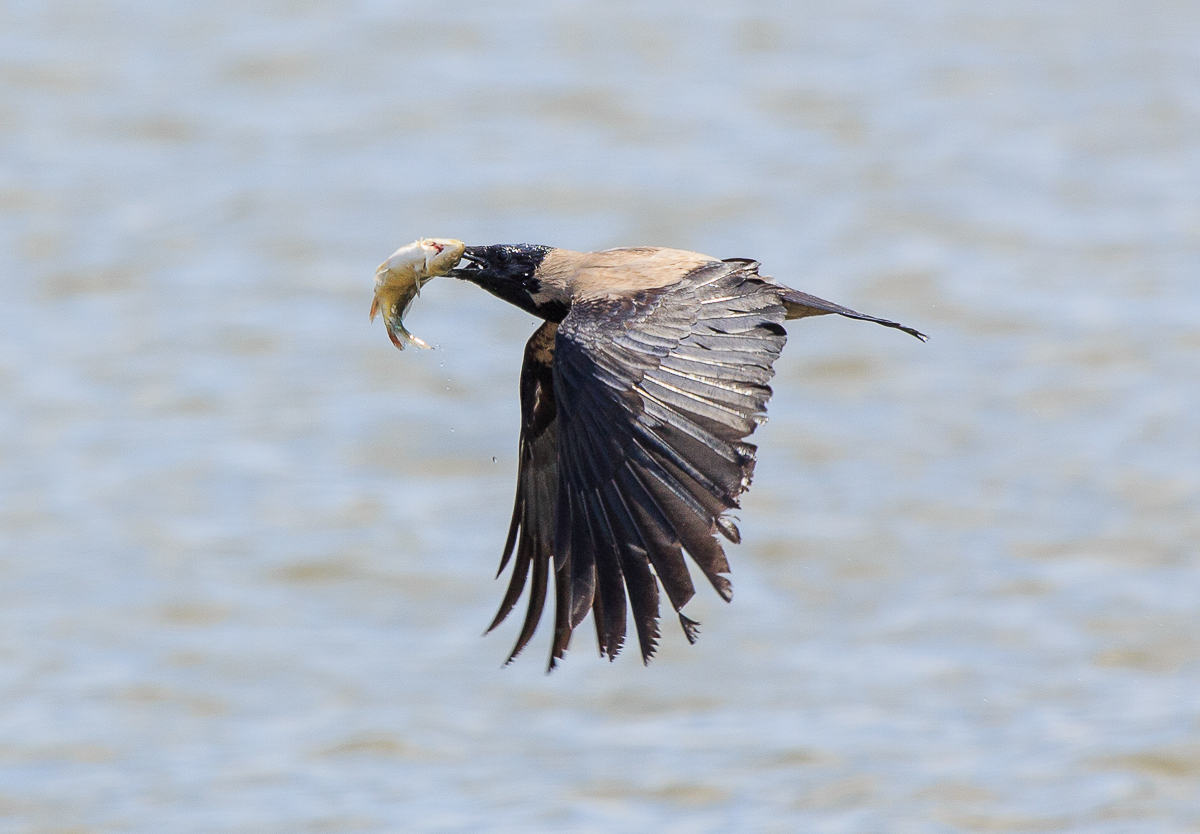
(728, 529)
(691, 628)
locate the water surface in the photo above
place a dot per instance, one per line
(246, 546)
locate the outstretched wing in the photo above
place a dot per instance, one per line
(653, 394)
(656, 392)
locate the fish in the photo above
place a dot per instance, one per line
(399, 279)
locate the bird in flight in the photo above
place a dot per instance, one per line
(637, 395)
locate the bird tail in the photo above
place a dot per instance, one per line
(801, 304)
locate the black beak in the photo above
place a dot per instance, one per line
(473, 260)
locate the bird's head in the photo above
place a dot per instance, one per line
(509, 271)
(500, 262)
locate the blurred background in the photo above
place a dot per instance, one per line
(247, 547)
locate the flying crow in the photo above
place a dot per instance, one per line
(637, 395)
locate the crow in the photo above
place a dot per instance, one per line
(637, 395)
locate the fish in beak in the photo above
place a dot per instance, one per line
(399, 279)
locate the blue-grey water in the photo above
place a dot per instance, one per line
(247, 547)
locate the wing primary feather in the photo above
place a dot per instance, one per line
(610, 589)
(537, 523)
(537, 601)
(712, 494)
(598, 622)
(673, 483)
(691, 628)
(515, 525)
(695, 534)
(562, 608)
(515, 585)
(727, 447)
(729, 529)
(662, 544)
(639, 579)
(572, 531)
